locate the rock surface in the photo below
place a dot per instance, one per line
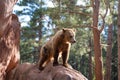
(9, 38)
(28, 71)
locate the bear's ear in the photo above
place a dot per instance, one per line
(63, 29)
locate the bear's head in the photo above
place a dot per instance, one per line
(69, 35)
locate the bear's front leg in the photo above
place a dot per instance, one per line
(65, 56)
(56, 54)
(42, 62)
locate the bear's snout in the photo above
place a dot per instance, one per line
(73, 41)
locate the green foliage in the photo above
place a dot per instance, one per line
(32, 33)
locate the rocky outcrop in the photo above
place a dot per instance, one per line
(27, 71)
(9, 38)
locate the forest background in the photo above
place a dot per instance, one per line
(41, 19)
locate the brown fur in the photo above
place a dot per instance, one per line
(59, 43)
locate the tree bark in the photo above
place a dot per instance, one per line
(9, 38)
(108, 55)
(97, 44)
(118, 40)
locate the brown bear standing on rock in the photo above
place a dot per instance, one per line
(59, 43)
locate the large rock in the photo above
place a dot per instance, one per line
(9, 38)
(27, 71)
(9, 47)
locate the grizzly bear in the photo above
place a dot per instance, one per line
(60, 43)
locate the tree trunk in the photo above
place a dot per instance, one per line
(90, 60)
(9, 38)
(118, 40)
(108, 55)
(97, 44)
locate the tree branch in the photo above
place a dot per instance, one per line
(82, 6)
(87, 26)
(92, 3)
(103, 17)
(69, 11)
(102, 27)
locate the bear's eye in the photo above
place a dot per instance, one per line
(71, 36)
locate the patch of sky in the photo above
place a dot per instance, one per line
(80, 2)
(48, 3)
(48, 26)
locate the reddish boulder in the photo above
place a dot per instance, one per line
(27, 71)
